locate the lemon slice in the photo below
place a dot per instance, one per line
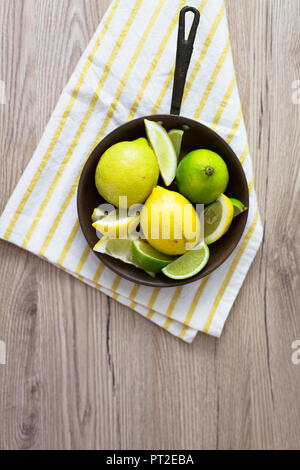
(148, 258)
(117, 224)
(176, 136)
(164, 150)
(217, 219)
(98, 214)
(189, 264)
(238, 207)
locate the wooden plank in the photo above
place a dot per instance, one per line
(84, 372)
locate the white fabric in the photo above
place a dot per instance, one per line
(129, 62)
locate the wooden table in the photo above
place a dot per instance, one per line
(84, 372)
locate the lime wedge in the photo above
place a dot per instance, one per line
(238, 207)
(218, 217)
(116, 224)
(164, 150)
(176, 136)
(189, 264)
(148, 258)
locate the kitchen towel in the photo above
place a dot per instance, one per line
(126, 72)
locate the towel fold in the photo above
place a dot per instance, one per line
(126, 72)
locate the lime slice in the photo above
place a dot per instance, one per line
(238, 207)
(117, 224)
(148, 258)
(189, 264)
(176, 136)
(217, 219)
(164, 150)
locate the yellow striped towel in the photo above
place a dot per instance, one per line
(126, 72)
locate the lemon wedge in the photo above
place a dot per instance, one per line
(120, 249)
(117, 224)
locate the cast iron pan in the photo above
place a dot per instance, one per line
(196, 136)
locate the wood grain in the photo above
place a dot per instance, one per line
(84, 372)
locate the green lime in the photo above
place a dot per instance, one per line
(202, 176)
(189, 264)
(127, 169)
(148, 258)
(163, 149)
(176, 136)
(238, 207)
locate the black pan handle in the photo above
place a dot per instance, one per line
(183, 58)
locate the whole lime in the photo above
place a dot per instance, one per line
(202, 176)
(127, 169)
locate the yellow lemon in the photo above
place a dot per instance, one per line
(170, 222)
(127, 170)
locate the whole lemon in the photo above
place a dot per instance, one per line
(202, 176)
(169, 222)
(127, 169)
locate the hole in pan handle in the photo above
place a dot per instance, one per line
(183, 57)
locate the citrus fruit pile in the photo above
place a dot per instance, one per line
(155, 228)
